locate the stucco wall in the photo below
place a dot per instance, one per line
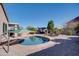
(3, 19)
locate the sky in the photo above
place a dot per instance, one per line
(38, 14)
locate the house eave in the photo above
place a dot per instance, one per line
(4, 11)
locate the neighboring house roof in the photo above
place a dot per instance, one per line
(4, 12)
(43, 28)
(13, 23)
(73, 23)
(74, 20)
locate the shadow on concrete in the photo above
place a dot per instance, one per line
(65, 48)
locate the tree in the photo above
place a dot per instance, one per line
(50, 26)
(31, 28)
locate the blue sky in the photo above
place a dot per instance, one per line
(38, 15)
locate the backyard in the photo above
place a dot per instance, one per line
(61, 45)
(34, 32)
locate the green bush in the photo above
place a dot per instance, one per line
(77, 29)
(69, 32)
(33, 32)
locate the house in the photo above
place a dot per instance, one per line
(13, 29)
(5, 26)
(3, 21)
(43, 30)
(71, 25)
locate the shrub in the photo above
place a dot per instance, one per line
(69, 32)
(77, 29)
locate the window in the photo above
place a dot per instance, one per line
(4, 28)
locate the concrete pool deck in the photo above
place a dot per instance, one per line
(22, 50)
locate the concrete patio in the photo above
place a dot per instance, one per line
(58, 46)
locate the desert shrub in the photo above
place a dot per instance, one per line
(69, 32)
(77, 29)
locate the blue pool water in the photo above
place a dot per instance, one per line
(33, 40)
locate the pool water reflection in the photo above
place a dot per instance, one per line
(34, 40)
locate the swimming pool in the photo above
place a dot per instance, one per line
(34, 40)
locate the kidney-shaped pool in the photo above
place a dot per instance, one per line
(34, 40)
